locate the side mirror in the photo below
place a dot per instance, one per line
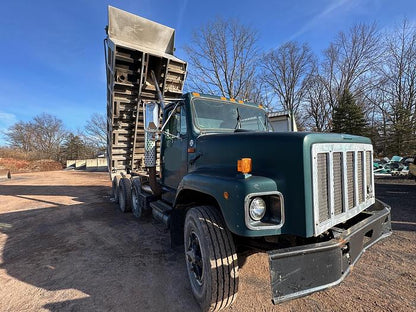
(151, 118)
(151, 124)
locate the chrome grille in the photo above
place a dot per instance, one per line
(342, 182)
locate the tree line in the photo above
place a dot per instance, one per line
(45, 137)
(363, 83)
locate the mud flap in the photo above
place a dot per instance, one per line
(300, 270)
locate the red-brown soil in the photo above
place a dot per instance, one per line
(21, 166)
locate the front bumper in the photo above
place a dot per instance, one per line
(301, 270)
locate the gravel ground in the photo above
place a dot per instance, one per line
(65, 247)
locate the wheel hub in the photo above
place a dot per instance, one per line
(194, 258)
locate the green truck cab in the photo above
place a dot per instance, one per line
(214, 172)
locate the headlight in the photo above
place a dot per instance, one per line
(257, 208)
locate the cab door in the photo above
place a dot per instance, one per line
(174, 148)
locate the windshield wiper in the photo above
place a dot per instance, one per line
(238, 125)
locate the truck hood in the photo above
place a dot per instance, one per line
(282, 157)
(274, 155)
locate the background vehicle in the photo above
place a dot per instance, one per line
(210, 169)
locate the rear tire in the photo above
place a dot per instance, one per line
(137, 204)
(211, 259)
(114, 188)
(124, 195)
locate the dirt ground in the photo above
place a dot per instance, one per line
(65, 247)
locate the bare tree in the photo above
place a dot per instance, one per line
(43, 135)
(285, 71)
(398, 88)
(318, 110)
(96, 131)
(350, 60)
(259, 93)
(49, 134)
(222, 58)
(20, 136)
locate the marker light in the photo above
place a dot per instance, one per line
(244, 165)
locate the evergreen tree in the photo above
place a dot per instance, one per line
(75, 148)
(348, 116)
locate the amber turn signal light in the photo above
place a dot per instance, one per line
(244, 165)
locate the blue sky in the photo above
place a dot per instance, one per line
(51, 56)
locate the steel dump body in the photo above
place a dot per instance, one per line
(135, 47)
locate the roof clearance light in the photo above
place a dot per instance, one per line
(244, 165)
(232, 100)
(223, 98)
(241, 102)
(261, 106)
(195, 94)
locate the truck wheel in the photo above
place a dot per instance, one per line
(124, 195)
(211, 259)
(137, 205)
(114, 188)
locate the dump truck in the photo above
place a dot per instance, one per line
(212, 171)
(282, 121)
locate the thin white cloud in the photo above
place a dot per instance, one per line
(334, 5)
(181, 14)
(6, 120)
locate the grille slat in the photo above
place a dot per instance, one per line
(323, 187)
(360, 176)
(350, 179)
(369, 166)
(338, 185)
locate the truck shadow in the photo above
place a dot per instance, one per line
(95, 257)
(402, 199)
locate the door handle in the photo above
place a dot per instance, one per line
(193, 160)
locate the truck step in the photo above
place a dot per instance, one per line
(161, 211)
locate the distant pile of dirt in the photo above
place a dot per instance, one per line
(20, 165)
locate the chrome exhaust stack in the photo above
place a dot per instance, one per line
(151, 126)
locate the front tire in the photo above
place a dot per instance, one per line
(211, 259)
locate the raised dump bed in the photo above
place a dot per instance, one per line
(135, 47)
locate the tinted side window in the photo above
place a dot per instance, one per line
(177, 123)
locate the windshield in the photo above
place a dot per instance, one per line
(214, 115)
